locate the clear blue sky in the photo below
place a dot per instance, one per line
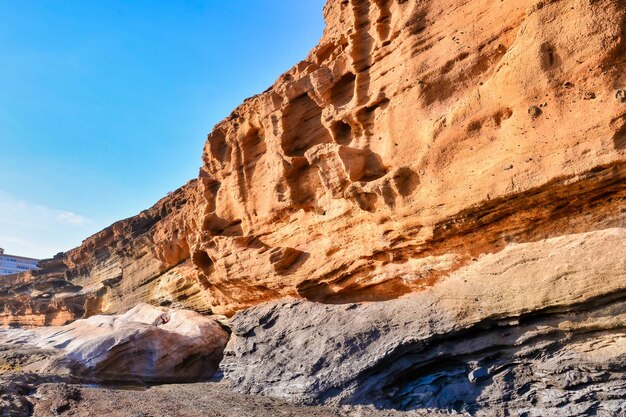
(105, 105)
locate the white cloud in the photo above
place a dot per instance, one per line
(39, 231)
(70, 217)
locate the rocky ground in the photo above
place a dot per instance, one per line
(22, 396)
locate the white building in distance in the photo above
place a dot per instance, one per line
(12, 264)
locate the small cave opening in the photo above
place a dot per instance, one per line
(203, 261)
(342, 132)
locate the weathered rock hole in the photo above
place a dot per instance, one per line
(303, 181)
(365, 200)
(366, 115)
(210, 188)
(362, 164)
(406, 181)
(253, 145)
(202, 260)
(302, 126)
(380, 104)
(387, 192)
(325, 52)
(549, 56)
(534, 112)
(276, 100)
(222, 227)
(501, 116)
(220, 150)
(342, 92)
(342, 132)
(551, 59)
(619, 139)
(474, 126)
(204, 263)
(253, 148)
(383, 21)
(285, 260)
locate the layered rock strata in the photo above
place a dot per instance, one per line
(537, 329)
(415, 137)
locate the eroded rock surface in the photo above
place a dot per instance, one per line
(537, 329)
(438, 189)
(146, 344)
(416, 136)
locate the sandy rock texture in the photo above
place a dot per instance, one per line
(535, 330)
(415, 137)
(146, 344)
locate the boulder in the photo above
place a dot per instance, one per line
(145, 344)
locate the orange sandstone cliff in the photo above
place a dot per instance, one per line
(416, 137)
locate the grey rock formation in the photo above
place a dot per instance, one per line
(535, 330)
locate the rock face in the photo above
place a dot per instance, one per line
(433, 203)
(535, 330)
(146, 344)
(416, 136)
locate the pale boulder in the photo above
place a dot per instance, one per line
(135, 346)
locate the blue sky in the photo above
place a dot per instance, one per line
(105, 105)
